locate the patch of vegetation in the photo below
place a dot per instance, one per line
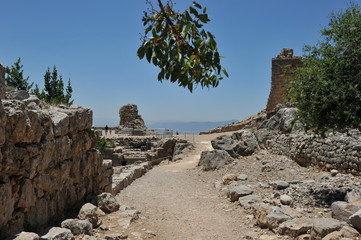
(327, 90)
(54, 92)
(14, 77)
(103, 144)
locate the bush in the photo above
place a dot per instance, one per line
(327, 90)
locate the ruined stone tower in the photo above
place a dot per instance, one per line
(129, 117)
(280, 76)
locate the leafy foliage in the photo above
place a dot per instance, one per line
(176, 43)
(15, 79)
(54, 89)
(103, 143)
(327, 90)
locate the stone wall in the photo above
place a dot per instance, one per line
(281, 66)
(340, 152)
(48, 164)
(129, 117)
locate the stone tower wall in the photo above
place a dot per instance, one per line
(281, 66)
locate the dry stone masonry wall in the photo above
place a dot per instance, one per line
(129, 117)
(48, 164)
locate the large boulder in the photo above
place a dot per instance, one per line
(107, 202)
(214, 159)
(89, 212)
(242, 143)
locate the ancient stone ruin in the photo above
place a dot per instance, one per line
(48, 163)
(281, 66)
(129, 117)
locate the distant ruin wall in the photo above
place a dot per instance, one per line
(281, 66)
(48, 164)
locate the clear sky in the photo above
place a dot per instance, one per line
(95, 42)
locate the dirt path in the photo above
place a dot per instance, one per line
(177, 203)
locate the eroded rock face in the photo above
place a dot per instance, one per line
(129, 117)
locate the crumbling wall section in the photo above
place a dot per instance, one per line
(48, 163)
(281, 72)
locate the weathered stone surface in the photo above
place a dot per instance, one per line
(269, 216)
(129, 117)
(343, 210)
(247, 200)
(242, 143)
(77, 226)
(239, 191)
(323, 226)
(354, 197)
(48, 163)
(345, 232)
(355, 220)
(242, 177)
(27, 236)
(214, 159)
(57, 233)
(17, 95)
(296, 226)
(107, 202)
(89, 212)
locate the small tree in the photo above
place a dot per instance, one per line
(53, 91)
(177, 43)
(327, 90)
(14, 77)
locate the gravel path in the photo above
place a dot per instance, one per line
(177, 203)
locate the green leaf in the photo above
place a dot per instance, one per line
(197, 5)
(225, 72)
(149, 53)
(141, 52)
(193, 11)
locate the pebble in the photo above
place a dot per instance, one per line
(285, 199)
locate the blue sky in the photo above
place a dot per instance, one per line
(95, 42)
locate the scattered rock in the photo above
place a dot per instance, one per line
(343, 210)
(279, 184)
(323, 226)
(226, 179)
(57, 233)
(107, 202)
(268, 237)
(77, 226)
(246, 200)
(269, 216)
(334, 172)
(344, 233)
(27, 236)
(89, 212)
(295, 227)
(251, 235)
(354, 197)
(285, 199)
(355, 219)
(239, 191)
(215, 159)
(242, 177)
